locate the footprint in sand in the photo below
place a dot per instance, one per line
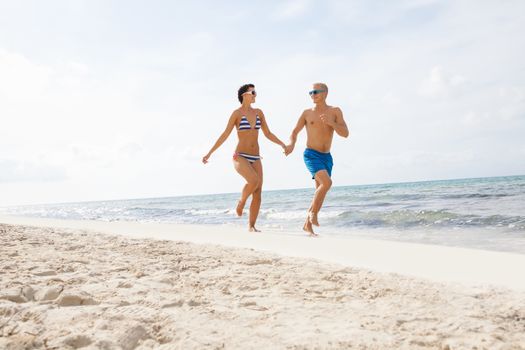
(260, 262)
(124, 284)
(28, 292)
(140, 313)
(177, 303)
(15, 295)
(77, 341)
(76, 299)
(48, 293)
(44, 273)
(252, 305)
(193, 303)
(130, 337)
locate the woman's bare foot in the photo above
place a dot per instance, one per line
(307, 227)
(239, 208)
(253, 229)
(312, 217)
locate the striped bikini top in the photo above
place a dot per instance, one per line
(245, 124)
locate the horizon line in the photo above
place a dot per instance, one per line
(270, 190)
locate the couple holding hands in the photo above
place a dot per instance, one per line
(320, 121)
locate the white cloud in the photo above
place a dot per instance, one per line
(20, 77)
(369, 14)
(291, 9)
(391, 99)
(514, 93)
(25, 171)
(438, 83)
(418, 3)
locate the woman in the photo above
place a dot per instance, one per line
(246, 159)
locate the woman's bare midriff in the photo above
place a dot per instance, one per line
(248, 142)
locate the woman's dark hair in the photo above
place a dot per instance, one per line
(243, 89)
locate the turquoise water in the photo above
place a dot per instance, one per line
(487, 213)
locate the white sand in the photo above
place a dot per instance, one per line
(436, 263)
(70, 288)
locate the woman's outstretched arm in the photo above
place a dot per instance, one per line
(223, 137)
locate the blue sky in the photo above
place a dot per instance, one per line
(120, 99)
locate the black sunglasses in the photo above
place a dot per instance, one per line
(315, 92)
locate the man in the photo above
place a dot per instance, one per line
(320, 121)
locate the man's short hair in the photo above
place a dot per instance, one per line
(242, 90)
(323, 86)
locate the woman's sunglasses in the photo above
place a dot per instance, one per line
(315, 92)
(253, 92)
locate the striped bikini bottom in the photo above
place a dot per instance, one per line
(249, 157)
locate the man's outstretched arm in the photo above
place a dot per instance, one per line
(293, 137)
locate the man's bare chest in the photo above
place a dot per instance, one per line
(314, 121)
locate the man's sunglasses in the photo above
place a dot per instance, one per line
(253, 92)
(315, 92)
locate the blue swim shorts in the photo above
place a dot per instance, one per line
(316, 161)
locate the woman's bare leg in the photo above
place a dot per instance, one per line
(245, 169)
(255, 206)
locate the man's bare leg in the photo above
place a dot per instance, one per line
(307, 227)
(317, 184)
(323, 184)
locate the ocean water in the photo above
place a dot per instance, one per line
(483, 213)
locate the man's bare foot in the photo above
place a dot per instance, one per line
(312, 217)
(239, 208)
(253, 229)
(308, 228)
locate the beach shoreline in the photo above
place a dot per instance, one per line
(70, 288)
(436, 263)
